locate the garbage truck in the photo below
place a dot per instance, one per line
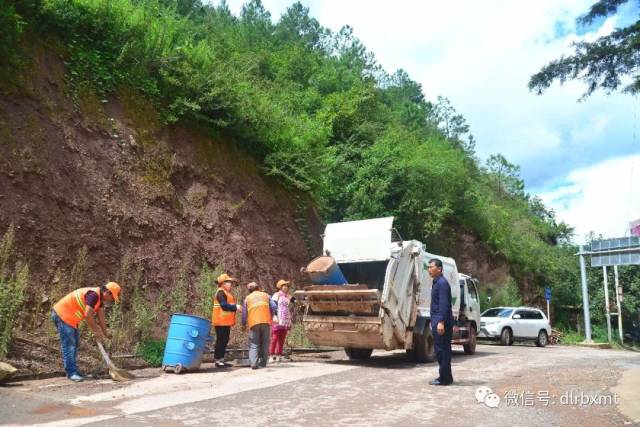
(385, 303)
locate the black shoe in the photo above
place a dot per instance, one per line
(254, 367)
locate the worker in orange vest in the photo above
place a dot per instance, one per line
(70, 311)
(223, 317)
(257, 311)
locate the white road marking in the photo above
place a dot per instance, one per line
(71, 422)
(170, 390)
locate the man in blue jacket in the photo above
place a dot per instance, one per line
(441, 321)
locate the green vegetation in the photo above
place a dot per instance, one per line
(629, 278)
(598, 335)
(178, 294)
(297, 338)
(144, 310)
(608, 63)
(79, 270)
(207, 288)
(13, 282)
(505, 296)
(152, 351)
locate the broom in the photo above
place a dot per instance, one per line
(116, 374)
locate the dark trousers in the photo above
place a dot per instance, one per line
(222, 339)
(442, 344)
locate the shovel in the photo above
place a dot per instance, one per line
(115, 373)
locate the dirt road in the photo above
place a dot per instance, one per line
(531, 386)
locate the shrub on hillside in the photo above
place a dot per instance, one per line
(13, 282)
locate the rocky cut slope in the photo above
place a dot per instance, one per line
(96, 181)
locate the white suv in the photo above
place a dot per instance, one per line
(515, 323)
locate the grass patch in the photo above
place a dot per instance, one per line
(242, 202)
(13, 283)
(143, 116)
(297, 337)
(151, 351)
(598, 335)
(90, 104)
(571, 338)
(158, 165)
(207, 288)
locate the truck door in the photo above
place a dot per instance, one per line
(474, 301)
(400, 294)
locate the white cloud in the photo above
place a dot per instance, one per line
(591, 131)
(531, 140)
(602, 198)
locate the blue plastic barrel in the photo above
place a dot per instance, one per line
(186, 339)
(325, 271)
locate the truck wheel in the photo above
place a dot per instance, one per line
(423, 350)
(470, 347)
(542, 338)
(358, 353)
(506, 337)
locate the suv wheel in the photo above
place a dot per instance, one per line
(506, 337)
(543, 339)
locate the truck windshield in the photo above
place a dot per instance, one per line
(497, 312)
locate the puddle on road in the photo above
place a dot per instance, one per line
(47, 409)
(69, 410)
(78, 411)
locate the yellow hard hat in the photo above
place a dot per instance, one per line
(225, 278)
(281, 283)
(114, 288)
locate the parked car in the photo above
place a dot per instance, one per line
(508, 324)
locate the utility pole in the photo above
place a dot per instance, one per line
(618, 302)
(585, 297)
(548, 313)
(606, 300)
(547, 296)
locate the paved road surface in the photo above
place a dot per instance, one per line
(532, 386)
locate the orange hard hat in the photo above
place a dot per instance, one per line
(114, 288)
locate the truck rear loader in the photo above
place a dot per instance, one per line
(386, 303)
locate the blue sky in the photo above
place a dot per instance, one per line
(581, 158)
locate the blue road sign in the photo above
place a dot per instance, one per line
(547, 294)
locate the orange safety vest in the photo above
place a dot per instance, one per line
(72, 308)
(220, 317)
(258, 308)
